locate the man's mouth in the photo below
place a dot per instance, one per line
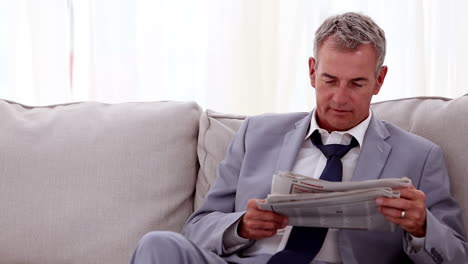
(340, 110)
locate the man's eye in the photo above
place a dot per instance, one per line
(358, 85)
(329, 81)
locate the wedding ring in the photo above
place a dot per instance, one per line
(403, 213)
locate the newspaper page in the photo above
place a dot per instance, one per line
(317, 203)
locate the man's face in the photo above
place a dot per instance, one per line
(344, 83)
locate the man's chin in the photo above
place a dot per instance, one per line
(338, 122)
(339, 125)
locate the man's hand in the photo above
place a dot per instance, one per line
(257, 224)
(412, 203)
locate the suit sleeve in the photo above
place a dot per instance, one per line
(445, 240)
(207, 225)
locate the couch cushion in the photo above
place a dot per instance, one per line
(82, 182)
(216, 133)
(441, 120)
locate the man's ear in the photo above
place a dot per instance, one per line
(380, 79)
(312, 71)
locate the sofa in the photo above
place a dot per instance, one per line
(83, 182)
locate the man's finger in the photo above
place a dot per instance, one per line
(252, 203)
(412, 194)
(268, 216)
(254, 224)
(397, 203)
(254, 213)
(392, 212)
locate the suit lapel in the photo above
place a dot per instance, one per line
(292, 143)
(372, 159)
(374, 152)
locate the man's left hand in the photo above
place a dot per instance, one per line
(408, 211)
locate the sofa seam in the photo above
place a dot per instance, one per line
(415, 98)
(51, 106)
(204, 144)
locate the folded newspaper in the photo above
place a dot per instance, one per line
(317, 203)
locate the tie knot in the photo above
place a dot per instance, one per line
(332, 150)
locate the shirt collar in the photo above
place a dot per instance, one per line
(357, 132)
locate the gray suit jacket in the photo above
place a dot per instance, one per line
(269, 143)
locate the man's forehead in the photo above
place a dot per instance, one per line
(349, 64)
(330, 48)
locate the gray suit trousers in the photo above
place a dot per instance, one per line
(162, 247)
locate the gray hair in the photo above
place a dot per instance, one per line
(350, 30)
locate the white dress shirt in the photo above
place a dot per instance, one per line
(310, 162)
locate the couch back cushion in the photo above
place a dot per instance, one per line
(441, 120)
(82, 182)
(216, 133)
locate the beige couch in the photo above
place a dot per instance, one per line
(82, 182)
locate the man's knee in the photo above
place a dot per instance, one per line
(163, 241)
(162, 247)
(170, 247)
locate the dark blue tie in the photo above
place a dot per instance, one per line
(305, 242)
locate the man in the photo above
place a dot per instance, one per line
(346, 72)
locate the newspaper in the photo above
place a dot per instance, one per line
(317, 203)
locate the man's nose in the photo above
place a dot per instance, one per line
(341, 95)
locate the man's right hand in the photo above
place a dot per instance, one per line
(257, 224)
